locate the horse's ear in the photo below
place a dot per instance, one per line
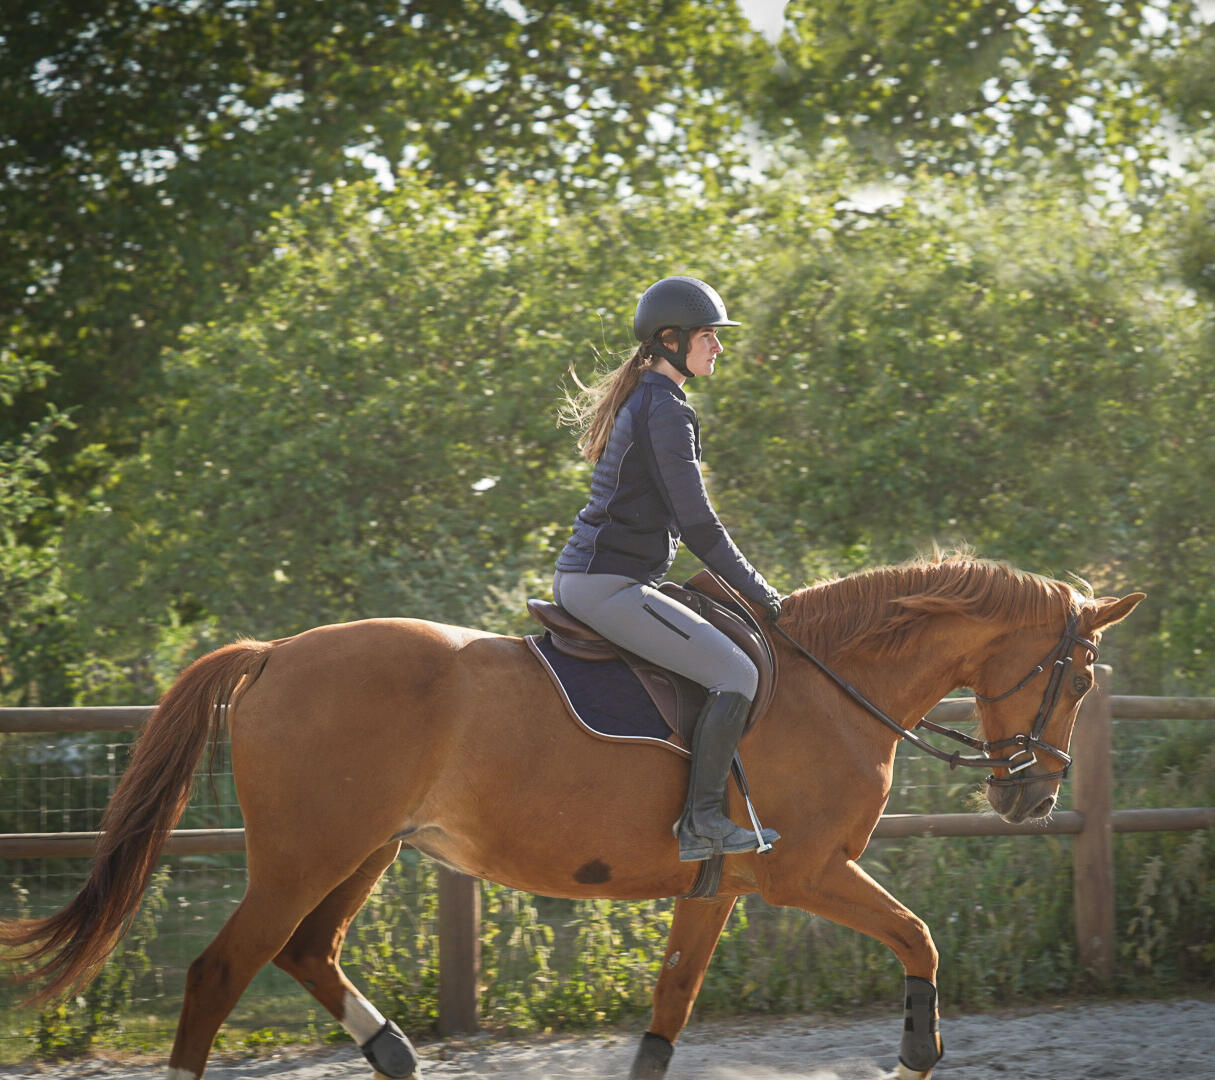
(1110, 609)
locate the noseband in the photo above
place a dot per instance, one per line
(1059, 659)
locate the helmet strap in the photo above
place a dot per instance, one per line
(678, 358)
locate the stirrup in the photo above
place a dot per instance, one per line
(694, 847)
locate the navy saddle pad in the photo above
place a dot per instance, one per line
(604, 694)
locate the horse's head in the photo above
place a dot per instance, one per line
(1028, 696)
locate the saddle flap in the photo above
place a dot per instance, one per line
(712, 599)
(679, 700)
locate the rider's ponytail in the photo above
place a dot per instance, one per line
(593, 409)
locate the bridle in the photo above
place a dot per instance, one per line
(1059, 659)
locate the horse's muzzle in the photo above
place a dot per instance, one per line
(1024, 802)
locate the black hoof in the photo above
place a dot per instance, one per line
(653, 1057)
(390, 1053)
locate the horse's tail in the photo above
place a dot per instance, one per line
(70, 946)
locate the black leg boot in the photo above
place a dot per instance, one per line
(703, 829)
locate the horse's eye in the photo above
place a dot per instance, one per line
(1081, 683)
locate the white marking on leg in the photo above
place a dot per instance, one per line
(182, 1074)
(360, 1018)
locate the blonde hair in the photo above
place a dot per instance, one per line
(592, 410)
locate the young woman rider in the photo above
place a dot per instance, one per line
(647, 494)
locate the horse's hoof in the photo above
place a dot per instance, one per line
(653, 1057)
(901, 1072)
(391, 1055)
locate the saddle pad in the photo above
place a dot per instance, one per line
(604, 696)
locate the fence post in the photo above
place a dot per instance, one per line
(1093, 850)
(459, 951)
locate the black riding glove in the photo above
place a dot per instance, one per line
(772, 606)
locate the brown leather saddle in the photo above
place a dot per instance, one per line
(679, 700)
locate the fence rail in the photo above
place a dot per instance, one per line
(1093, 823)
(66, 845)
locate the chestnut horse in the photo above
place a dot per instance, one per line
(348, 739)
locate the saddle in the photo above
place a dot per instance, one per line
(678, 700)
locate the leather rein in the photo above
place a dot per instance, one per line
(1059, 658)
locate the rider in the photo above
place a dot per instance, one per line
(647, 493)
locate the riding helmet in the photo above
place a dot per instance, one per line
(677, 303)
(680, 302)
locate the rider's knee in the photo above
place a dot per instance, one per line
(737, 674)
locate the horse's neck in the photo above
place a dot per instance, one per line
(934, 662)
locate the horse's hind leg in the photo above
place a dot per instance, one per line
(312, 957)
(259, 927)
(695, 928)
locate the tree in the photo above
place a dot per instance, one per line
(1019, 375)
(148, 146)
(989, 86)
(166, 166)
(30, 588)
(369, 426)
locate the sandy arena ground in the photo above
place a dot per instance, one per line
(1157, 1040)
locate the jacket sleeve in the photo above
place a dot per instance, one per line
(672, 436)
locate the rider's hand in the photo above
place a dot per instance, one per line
(772, 606)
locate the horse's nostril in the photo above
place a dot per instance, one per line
(1044, 807)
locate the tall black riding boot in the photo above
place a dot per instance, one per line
(703, 829)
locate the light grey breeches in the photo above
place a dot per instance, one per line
(645, 621)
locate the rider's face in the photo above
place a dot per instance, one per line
(703, 348)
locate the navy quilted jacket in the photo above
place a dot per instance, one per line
(647, 493)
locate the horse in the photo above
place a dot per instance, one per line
(348, 740)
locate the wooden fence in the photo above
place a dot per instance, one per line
(1093, 822)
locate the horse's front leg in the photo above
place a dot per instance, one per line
(845, 894)
(695, 927)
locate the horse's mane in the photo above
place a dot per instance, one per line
(879, 609)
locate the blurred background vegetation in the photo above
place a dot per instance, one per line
(290, 293)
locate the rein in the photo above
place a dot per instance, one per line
(1060, 659)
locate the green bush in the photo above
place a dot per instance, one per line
(95, 1015)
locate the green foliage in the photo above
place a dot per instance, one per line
(1015, 373)
(566, 964)
(125, 221)
(1166, 884)
(369, 429)
(73, 1026)
(970, 87)
(550, 159)
(390, 950)
(30, 577)
(1010, 372)
(991, 364)
(1004, 933)
(124, 224)
(548, 964)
